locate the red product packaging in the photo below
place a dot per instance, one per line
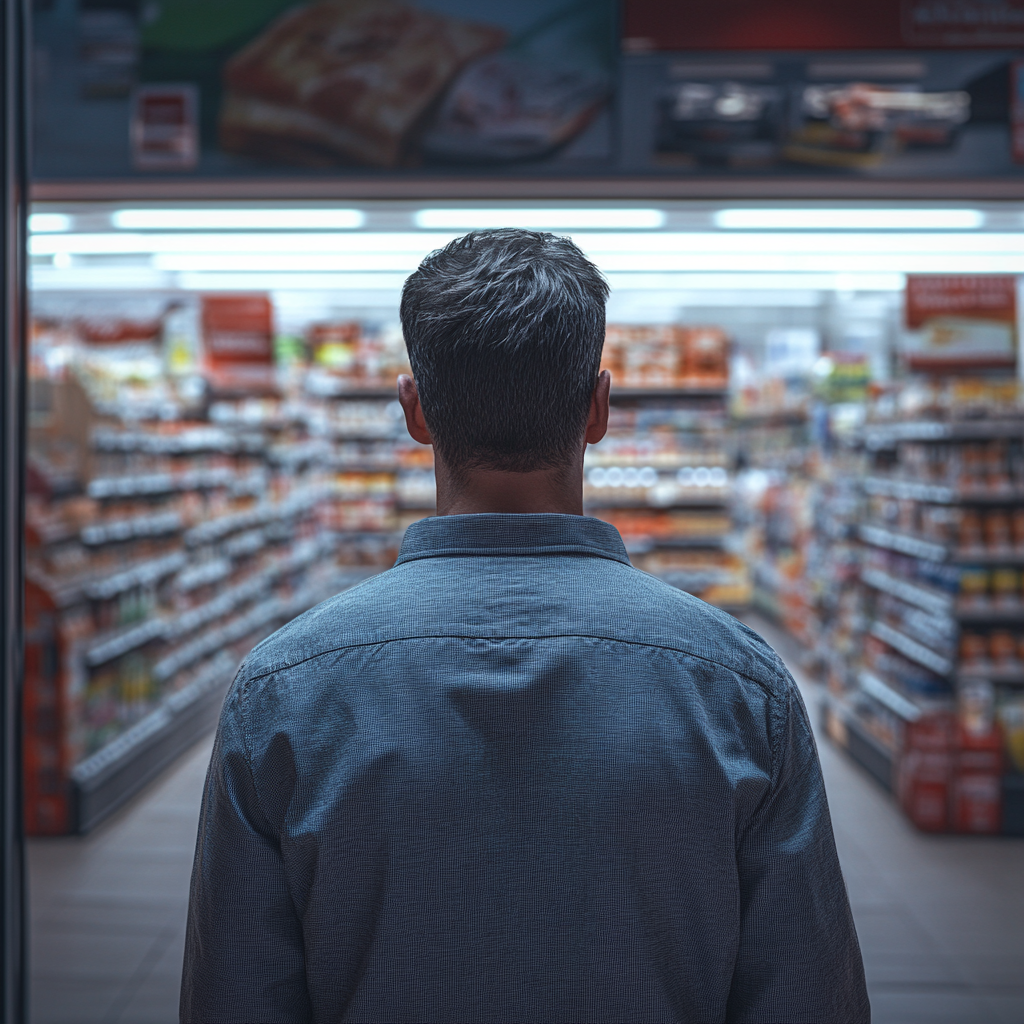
(922, 787)
(925, 771)
(976, 793)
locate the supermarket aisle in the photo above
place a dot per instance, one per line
(941, 919)
(108, 909)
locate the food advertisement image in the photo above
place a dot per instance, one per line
(327, 85)
(565, 88)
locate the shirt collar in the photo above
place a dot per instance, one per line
(493, 533)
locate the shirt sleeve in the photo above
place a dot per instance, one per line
(243, 946)
(799, 959)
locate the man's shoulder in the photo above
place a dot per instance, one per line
(678, 620)
(345, 620)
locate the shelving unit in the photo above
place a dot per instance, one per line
(663, 477)
(172, 547)
(943, 620)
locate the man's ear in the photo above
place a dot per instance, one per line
(597, 423)
(415, 422)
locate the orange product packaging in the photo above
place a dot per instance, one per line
(705, 357)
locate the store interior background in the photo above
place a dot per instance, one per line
(215, 446)
(811, 218)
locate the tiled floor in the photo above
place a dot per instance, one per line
(108, 909)
(941, 918)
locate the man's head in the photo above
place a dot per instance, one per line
(504, 331)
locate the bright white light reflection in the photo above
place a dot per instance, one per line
(237, 220)
(461, 219)
(41, 222)
(849, 220)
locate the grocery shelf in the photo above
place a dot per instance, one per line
(377, 393)
(912, 649)
(938, 603)
(158, 524)
(903, 543)
(655, 393)
(991, 616)
(845, 728)
(939, 494)
(928, 600)
(907, 544)
(887, 436)
(695, 502)
(995, 674)
(717, 541)
(149, 484)
(103, 782)
(889, 697)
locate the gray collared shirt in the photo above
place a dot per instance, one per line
(515, 779)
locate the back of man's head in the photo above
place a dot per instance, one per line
(504, 331)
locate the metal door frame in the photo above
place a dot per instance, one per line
(13, 298)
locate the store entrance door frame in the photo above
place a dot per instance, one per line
(13, 219)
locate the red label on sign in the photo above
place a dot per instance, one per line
(813, 25)
(963, 22)
(238, 329)
(981, 297)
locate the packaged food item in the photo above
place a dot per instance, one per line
(974, 587)
(940, 523)
(907, 516)
(973, 649)
(971, 535)
(997, 468)
(1011, 722)
(705, 356)
(997, 531)
(976, 705)
(1005, 583)
(1017, 528)
(924, 771)
(1002, 648)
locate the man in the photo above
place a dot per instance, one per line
(513, 778)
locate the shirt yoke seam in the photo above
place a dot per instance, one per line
(545, 636)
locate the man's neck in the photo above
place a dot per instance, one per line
(495, 490)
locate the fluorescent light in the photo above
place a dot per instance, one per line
(462, 219)
(781, 219)
(287, 262)
(169, 219)
(39, 222)
(124, 243)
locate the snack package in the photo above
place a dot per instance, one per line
(344, 80)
